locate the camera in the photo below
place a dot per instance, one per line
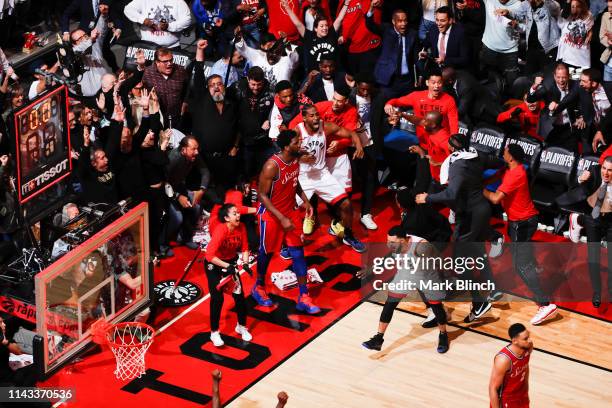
(253, 11)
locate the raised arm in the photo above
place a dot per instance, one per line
(341, 15)
(294, 19)
(331, 129)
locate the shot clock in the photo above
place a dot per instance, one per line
(43, 143)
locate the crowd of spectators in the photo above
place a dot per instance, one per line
(536, 68)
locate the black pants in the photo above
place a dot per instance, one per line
(472, 230)
(538, 60)
(254, 157)
(362, 62)
(596, 229)
(214, 274)
(524, 261)
(366, 169)
(505, 64)
(158, 205)
(401, 85)
(402, 166)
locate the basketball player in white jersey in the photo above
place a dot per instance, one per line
(315, 178)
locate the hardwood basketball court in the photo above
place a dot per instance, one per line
(335, 371)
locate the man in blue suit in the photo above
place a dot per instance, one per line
(394, 70)
(448, 45)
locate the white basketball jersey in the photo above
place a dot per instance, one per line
(315, 145)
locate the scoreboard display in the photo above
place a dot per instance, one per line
(43, 143)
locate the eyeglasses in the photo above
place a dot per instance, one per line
(80, 38)
(168, 61)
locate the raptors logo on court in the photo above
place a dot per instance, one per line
(184, 294)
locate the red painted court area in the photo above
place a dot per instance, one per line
(181, 358)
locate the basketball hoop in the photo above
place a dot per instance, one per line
(129, 342)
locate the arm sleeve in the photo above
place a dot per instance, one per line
(455, 181)
(402, 102)
(453, 116)
(204, 173)
(505, 115)
(198, 80)
(217, 238)
(134, 11)
(183, 19)
(243, 238)
(509, 185)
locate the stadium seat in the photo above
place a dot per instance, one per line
(489, 143)
(554, 175)
(531, 147)
(585, 163)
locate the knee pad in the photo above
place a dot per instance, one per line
(299, 261)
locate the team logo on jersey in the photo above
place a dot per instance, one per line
(184, 294)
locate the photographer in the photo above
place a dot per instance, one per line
(91, 55)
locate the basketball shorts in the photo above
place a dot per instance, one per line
(272, 234)
(323, 184)
(515, 403)
(340, 168)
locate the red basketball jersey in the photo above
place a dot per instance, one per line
(514, 388)
(282, 193)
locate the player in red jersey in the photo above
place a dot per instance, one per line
(279, 218)
(509, 385)
(432, 99)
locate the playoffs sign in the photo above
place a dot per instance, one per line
(180, 57)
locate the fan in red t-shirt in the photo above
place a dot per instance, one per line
(527, 115)
(433, 99)
(514, 196)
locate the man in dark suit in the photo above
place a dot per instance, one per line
(598, 223)
(394, 70)
(475, 103)
(594, 104)
(560, 93)
(448, 45)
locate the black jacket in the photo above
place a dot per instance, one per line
(316, 91)
(253, 110)
(548, 92)
(464, 190)
(457, 47)
(216, 132)
(387, 63)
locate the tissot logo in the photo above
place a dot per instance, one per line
(185, 293)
